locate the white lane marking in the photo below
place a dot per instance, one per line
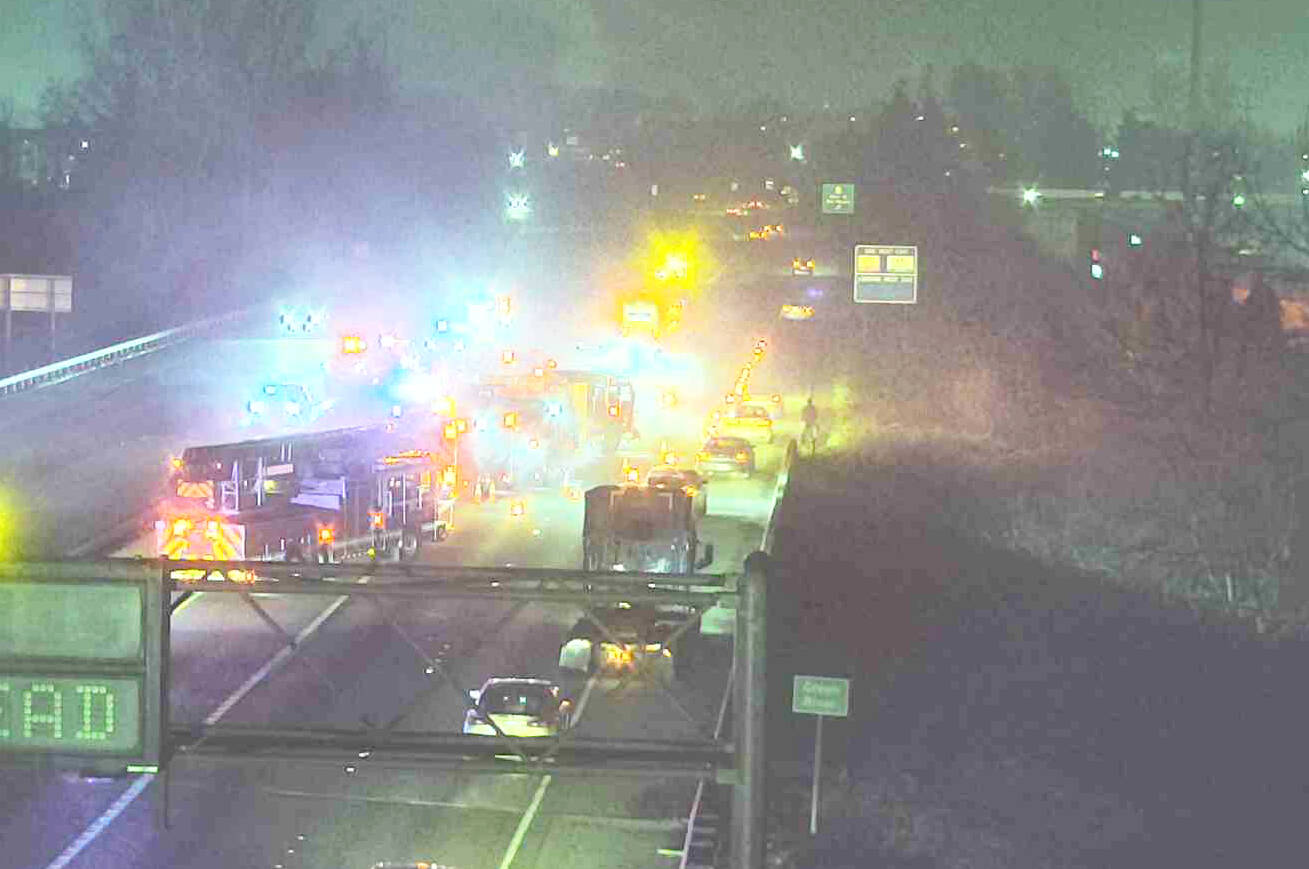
(100, 824)
(525, 822)
(285, 652)
(581, 701)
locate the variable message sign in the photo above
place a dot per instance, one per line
(886, 274)
(81, 665)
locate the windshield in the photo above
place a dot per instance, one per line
(515, 699)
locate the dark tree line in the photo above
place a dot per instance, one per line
(221, 152)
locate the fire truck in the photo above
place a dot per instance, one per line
(642, 529)
(327, 496)
(534, 429)
(599, 406)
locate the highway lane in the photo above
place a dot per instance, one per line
(80, 457)
(356, 666)
(90, 448)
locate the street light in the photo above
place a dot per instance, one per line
(1031, 195)
(517, 159)
(797, 153)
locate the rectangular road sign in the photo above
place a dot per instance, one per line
(838, 198)
(886, 274)
(82, 654)
(718, 621)
(53, 293)
(821, 695)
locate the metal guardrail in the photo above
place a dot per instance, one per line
(779, 492)
(695, 817)
(58, 372)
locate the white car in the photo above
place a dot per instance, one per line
(519, 706)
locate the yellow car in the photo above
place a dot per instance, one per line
(751, 422)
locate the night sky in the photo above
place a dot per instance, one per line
(718, 53)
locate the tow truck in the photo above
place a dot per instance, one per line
(632, 638)
(642, 529)
(328, 496)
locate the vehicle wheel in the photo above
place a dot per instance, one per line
(409, 545)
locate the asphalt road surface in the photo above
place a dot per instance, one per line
(356, 670)
(82, 459)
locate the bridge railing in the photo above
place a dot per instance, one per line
(58, 372)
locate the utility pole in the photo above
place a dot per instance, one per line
(1195, 66)
(749, 801)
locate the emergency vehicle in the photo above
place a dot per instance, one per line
(326, 496)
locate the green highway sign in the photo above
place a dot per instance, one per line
(82, 655)
(821, 695)
(838, 199)
(886, 274)
(718, 621)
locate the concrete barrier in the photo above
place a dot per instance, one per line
(58, 372)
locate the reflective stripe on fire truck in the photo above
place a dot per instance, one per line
(195, 490)
(203, 540)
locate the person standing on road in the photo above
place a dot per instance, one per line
(810, 418)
